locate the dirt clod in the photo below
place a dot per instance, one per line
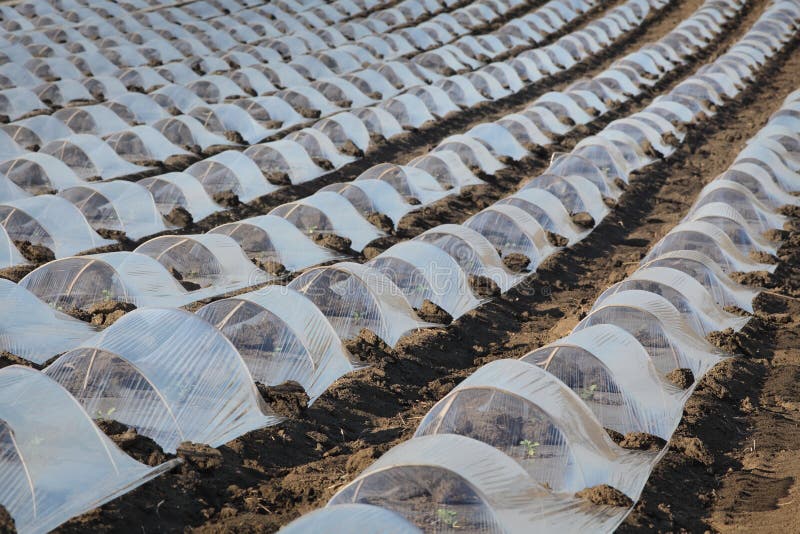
(34, 253)
(278, 178)
(288, 399)
(203, 457)
(107, 312)
(516, 262)
(381, 221)
(584, 220)
(605, 495)
(692, 448)
(484, 287)
(641, 441)
(141, 448)
(180, 217)
(368, 347)
(7, 525)
(334, 242)
(432, 313)
(682, 378)
(226, 199)
(557, 240)
(272, 267)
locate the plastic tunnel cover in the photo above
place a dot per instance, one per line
(36, 174)
(232, 171)
(658, 327)
(710, 240)
(371, 196)
(282, 336)
(407, 180)
(688, 296)
(206, 260)
(56, 463)
(82, 281)
(424, 271)
(51, 222)
(512, 230)
(474, 253)
(329, 212)
(548, 210)
(430, 478)
(361, 518)
(707, 272)
(270, 238)
(354, 297)
(41, 332)
(119, 206)
(184, 381)
(284, 157)
(180, 189)
(472, 152)
(533, 417)
(144, 145)
(447, 167)
(188, 133)
(89, 157)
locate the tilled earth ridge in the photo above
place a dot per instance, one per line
(266, 478)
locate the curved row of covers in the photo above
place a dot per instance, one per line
(176, 270)
(192, 377)
(65, 160)
(144, 208)
(509, 447)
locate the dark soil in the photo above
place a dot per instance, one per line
(605, 495)
(34, 253)
(682, 378)
(6, 522)
(432, 313)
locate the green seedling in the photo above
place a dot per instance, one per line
(448, 517)
(588, 394)
(105, 415)
(530, 447)
(106, 295)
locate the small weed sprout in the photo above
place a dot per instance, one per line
(448, 517)
(530, 447)
(100, 414)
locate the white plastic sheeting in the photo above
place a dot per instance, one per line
(268, 238)
(31, 329)
(282, 336)
(361, 518)
(120, 206)
(473, 483)
(355, 297)
(573, 451)
(184, 381)
(51, 222)
(207, 260)
(56, 463)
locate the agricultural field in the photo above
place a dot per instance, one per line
(400, 266)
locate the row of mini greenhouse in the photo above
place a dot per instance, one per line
(509, 447)
(177, 270)
(221, 261)
(286, 94)
(160, 385)
(63, 166)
